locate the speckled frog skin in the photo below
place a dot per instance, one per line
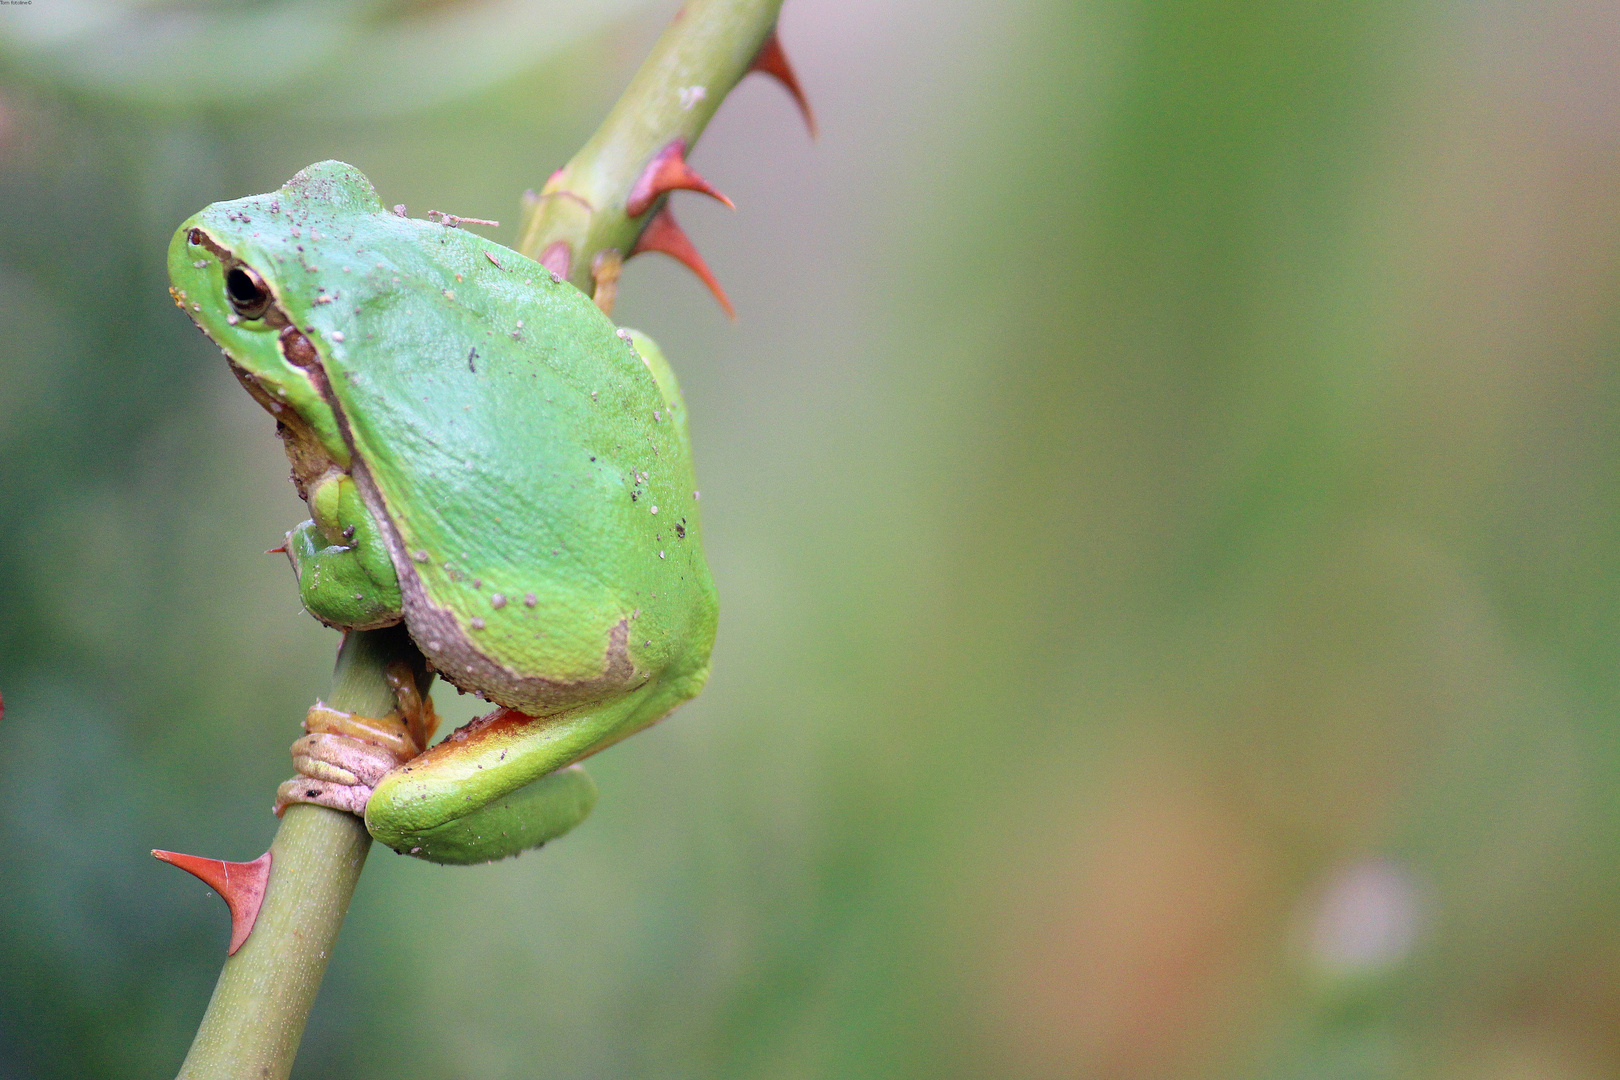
(485, 458)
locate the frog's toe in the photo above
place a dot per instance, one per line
(350, 798)
(342, 759)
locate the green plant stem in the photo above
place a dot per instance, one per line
(691, 69)
(256, 1017)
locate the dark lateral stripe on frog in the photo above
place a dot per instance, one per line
(201, 238)
(275, 314)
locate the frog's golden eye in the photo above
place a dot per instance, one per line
(247, 292)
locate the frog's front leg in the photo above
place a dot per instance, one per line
(346, 577)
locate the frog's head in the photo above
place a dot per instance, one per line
(245, 272)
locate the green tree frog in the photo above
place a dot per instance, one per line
(486, 459)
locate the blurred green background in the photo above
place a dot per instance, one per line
(1164, 490)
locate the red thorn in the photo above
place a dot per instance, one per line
(282, 550)
(662, 234)
(668, 171)
(772, 61)
(557, 257)
(240, 883)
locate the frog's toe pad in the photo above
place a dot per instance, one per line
(341, 759)
(351, 798)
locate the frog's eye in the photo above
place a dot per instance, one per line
(247, 292)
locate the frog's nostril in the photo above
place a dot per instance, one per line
(195, 237)
(246, 292)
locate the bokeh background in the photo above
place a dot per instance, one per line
(1163, 485)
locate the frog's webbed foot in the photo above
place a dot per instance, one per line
(344, 755)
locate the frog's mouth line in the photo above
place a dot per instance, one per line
(308, 457)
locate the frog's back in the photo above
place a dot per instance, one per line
(534, 476)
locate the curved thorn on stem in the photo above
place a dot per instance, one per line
(240, 883)
(662, 234)
(666, 172)
(772, 60)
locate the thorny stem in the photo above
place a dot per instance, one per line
(691, 69)
(256, 1017)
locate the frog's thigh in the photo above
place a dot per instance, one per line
(497, 759)
(515, 822)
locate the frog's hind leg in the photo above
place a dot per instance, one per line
(503, 783)
(514, 823)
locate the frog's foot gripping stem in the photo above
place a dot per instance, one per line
(339, 760)
(343, 755)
